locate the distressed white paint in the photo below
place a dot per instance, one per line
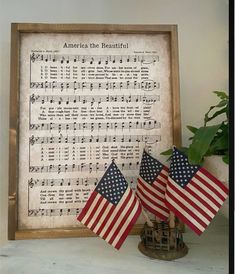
(208, 254)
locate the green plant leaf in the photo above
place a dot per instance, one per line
(221, 94)
(201, 143)
(227, 111)
(223, 103)
(217, 113)
(167, 152)
(170, 151)
(220, 144)
(226, 159)
(192, 129)
(184, 150)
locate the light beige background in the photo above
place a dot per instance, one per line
(203, 51)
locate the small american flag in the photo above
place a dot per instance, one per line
(151, 186)
(112, 208)
(193, 194)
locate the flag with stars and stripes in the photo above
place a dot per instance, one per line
(112, 209)
(193, 194)
(151, 186)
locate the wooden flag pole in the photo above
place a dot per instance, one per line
(147, 219)
(172, 226)
(172, 220)
(158, 220)
(172, 215)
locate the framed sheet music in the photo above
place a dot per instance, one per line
(82, 95)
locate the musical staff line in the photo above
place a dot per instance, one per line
(53, 212)
(146, 99)
(147, 125)
(91, 59)
(149, 139)
(91, 167)
(92, 181)
(147, 85)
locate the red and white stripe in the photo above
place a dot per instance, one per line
(197, 203)
(108, 221)
(152, 196)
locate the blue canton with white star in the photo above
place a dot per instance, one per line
(112, 185)
(149, 168)
(181, 171)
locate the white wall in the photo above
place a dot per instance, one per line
(203, 51)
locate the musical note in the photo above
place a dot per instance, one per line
(53, 212)
(147, 125)
(147, 85)
(91, 59)
(67, 99)
(88, 167)
(86, 110)
(90, 182)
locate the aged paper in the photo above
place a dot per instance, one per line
(86, 99)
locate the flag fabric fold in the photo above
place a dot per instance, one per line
(151, 186)
(112, 209)
(192, 193)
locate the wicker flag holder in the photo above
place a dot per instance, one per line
(162, 242)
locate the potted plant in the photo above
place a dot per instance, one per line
(210, 143)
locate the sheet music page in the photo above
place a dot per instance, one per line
(86, 99)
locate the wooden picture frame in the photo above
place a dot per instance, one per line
(17, 32)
